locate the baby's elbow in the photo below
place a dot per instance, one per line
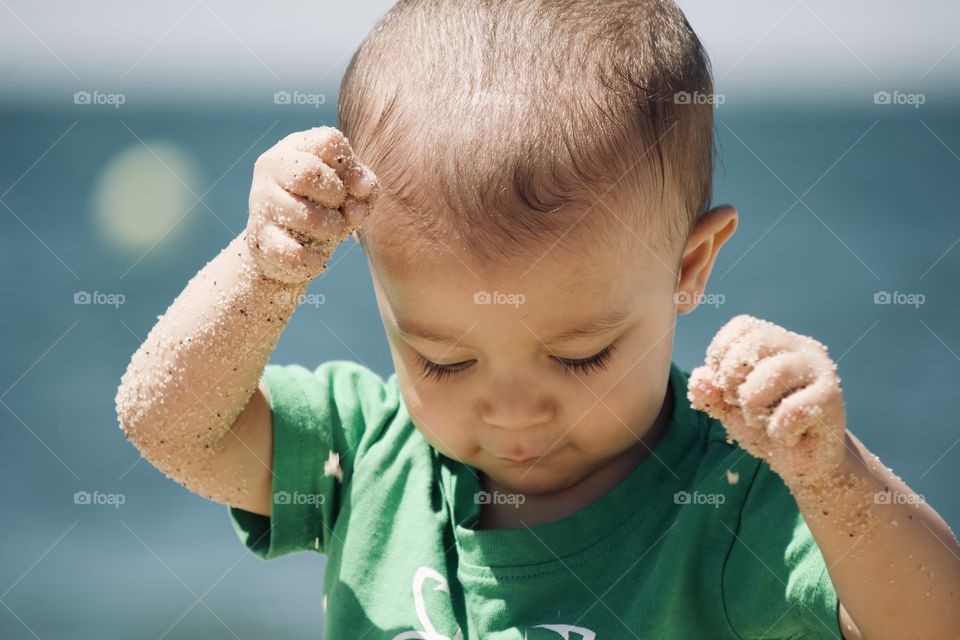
(138, 418)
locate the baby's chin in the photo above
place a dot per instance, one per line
(530, 478)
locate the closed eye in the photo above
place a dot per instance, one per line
(585, 366)
(596, 362)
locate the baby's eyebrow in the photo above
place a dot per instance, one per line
(592, 327)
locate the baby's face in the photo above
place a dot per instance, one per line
(503, 393)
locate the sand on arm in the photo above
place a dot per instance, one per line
(199, 366)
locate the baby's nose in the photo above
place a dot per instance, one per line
(516, 410)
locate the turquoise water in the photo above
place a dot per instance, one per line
(883, 218)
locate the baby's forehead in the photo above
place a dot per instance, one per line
(452, 310)
(429, 269)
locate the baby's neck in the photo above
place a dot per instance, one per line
(543, 508)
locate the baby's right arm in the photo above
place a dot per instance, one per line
(191, 399)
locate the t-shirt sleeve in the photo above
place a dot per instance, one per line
(339, 407)
(775, 582)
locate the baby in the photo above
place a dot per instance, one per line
(534, 205)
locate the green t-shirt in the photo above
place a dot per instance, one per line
(675, 550)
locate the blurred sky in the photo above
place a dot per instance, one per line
(205, 49)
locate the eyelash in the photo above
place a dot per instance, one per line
(586, 366)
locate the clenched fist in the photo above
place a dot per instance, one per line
(778, 395)
(308, 194)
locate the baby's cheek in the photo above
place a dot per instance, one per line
(612, 425)
(441, 421)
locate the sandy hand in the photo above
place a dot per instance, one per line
(778, 395)
(308, 194)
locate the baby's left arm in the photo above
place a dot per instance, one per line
(892, 559)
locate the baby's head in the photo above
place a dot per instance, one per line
(546, 170)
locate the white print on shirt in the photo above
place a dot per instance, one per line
(563, 630)
(430, 632)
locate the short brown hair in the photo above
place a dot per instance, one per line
(490, 118)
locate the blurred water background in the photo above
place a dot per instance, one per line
(848, 204)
